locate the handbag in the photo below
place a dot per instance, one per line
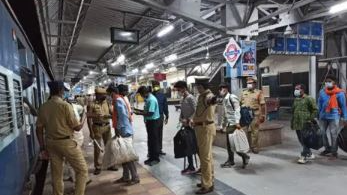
(313, 136)
(247, 116)
(119, 150)
(239, 141)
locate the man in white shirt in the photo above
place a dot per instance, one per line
(231, 119)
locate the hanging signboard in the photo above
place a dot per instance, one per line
(246, 66)
(159, 76)
(232, 52)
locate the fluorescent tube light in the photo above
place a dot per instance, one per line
(170, 58)
(338, 8)
(150, 65)
(165, 30)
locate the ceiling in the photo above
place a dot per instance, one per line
(76, 33)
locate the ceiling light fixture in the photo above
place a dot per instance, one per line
(135, 71)
(338, 8)
(150, 65)
(170, 58)
(90, 72)
(104, 70)
(144, 71)
(207, 54)
(121, 58)
(165, 30)
(84, 78)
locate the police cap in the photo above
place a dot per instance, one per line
(100, 90)
(57, 85)
(252, 80)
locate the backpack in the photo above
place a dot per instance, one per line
(185, 143)
(312, 136)
(342, 139)
(247, 116)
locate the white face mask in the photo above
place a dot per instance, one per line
(297, 93)
(249, 86)
(329, 84)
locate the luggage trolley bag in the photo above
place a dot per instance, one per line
(342, 139)
(185, 144)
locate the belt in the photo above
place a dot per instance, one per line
(62, 138)
(100, 124)
(203, 123)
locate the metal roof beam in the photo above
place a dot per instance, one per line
(62, 21)
(186, 16)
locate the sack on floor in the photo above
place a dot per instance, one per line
(246, 116)
(313, 137)
(185, 143)
(342, 139)
(238, 141)
(118, 151)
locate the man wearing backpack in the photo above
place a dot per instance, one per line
(332, 108)
(304, 110)
(231, 119)
(253, 99)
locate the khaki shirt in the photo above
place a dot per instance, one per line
(204, 112)
(253, 99)
(57, 118)
(100, 108)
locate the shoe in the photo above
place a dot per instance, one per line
(161, 153)
(122, 180)
(97, 171)
(112, 169)
(199, 185)
(325, 153)
(147, 161)
(154, 162)
(205, 190)
(333, 156)
(310, 157)
(302, 160)
(245, 161)
(188, 171)
(255, 151)
(88, 182)
(227, 164)
(133, 182)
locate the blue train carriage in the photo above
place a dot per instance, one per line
(18, 144)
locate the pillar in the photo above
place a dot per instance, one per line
(343, 68)
(312, 76)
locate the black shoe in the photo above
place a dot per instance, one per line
(133, 182)
(199, 185)
(147, 161)
(245, 161)
(205, 190)
(122, 180)
(97, 171)
(161, 153)
(228, 164)
(112, 169)
(325, 153)
(153, 162)
(255, 151)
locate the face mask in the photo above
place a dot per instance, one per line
(329, 84)
(297, 93)
(249, 86)
(156, 88)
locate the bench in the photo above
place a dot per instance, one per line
(269, 134)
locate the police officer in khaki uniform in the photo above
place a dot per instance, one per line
(205, 130)
(56, 120)
(254, 99)
(99, 113)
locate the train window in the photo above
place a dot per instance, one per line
(18, 103)
(6, 118)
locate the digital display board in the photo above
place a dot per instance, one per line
(119, 35)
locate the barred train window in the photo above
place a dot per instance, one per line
(19, 103)
(6, 118)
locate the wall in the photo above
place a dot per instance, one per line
(282, 63)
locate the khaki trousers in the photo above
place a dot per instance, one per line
(101, 134)
(205, 136)
(253, 130)
(68, 150)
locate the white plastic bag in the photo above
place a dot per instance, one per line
(118, 151)
(238, 141)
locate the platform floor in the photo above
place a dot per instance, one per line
(273, 171)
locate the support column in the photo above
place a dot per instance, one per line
(343, 68)
(312, 76)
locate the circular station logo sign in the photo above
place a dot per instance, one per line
(232, 52)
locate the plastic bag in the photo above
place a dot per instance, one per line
(313, 136)
(238, 141)
(118, 151)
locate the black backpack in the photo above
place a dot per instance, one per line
(185, 143)
(342, 139)
(246, 116)
(313, 136)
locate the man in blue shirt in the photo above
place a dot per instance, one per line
(152, 119)
(125, 130)
(163, 110)
(332, 108)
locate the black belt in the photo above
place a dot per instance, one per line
(62, 138)
(203, 123)
(101, 124)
